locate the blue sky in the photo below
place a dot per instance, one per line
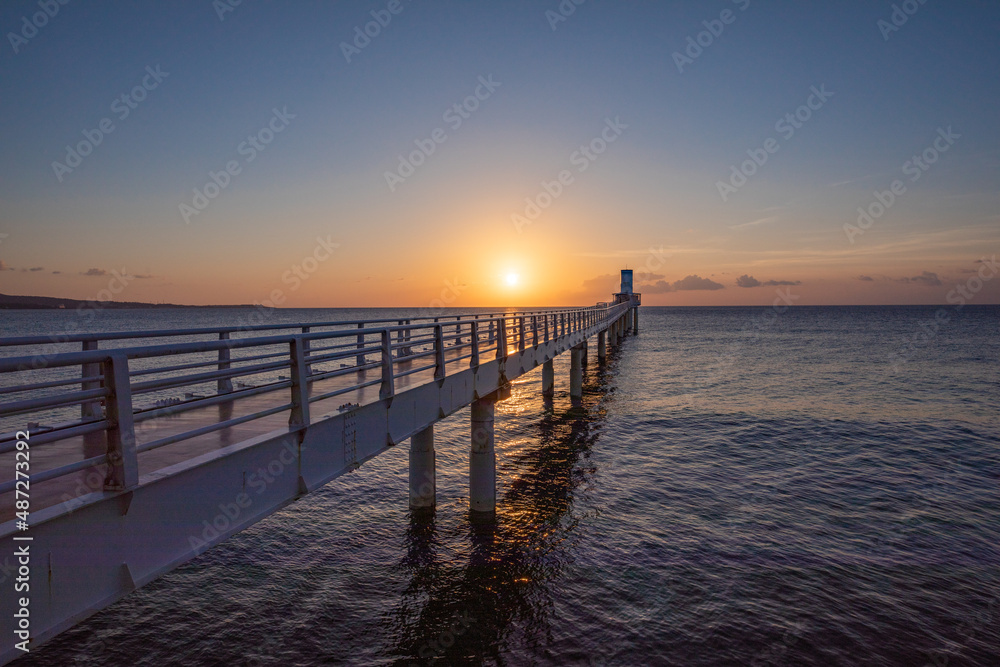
(655, 187)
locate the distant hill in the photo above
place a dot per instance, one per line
(10, 302)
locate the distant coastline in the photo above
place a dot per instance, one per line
(11, 302)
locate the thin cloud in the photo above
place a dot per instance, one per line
(37, 268)
(867, 279)
(94, 272)
(749, 281)
(755, 223)
(687, 284)
(601, 283)
(695, 282)
(927, 279)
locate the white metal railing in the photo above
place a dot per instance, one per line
(114, 391)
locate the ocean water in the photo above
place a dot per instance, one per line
(819, 486)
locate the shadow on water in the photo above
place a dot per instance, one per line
(464, 614)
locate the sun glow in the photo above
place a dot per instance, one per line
(512, 279)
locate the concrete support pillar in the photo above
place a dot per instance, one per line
(602, 346)
(423, 473)
(548, 378)
(576, 372)
(585, 347)
(635, 321)
(482, 459)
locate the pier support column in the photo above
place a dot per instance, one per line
(482, 458)
(602, 346)
(576, 372)
(423, 473)
(635, 321)
(548, 378)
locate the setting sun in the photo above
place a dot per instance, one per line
(512, 279)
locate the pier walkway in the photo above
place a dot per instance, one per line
(136, 459)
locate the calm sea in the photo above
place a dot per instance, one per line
(815, 487)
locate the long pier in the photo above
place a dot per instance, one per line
(137, 459)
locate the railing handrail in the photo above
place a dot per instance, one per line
(108, 385)
(204, 331)
(24, 363)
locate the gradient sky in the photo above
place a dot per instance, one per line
(446, 234)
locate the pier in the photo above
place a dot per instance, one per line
(144, 456)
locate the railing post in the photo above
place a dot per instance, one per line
(546, 320)
(224, 385)
(502, 338)
(492, 334)
(534, 329)
(388, 388)
(439, 369)
(458, 330)
(407, 351)
(299, 418)
(123, 462)
(359, 360)
(520, 334)
(91, 409)
(306, 344)
(474, 361)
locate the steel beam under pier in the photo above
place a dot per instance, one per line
(423, 473)
(482, 458)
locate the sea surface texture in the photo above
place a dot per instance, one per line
(741, 486)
